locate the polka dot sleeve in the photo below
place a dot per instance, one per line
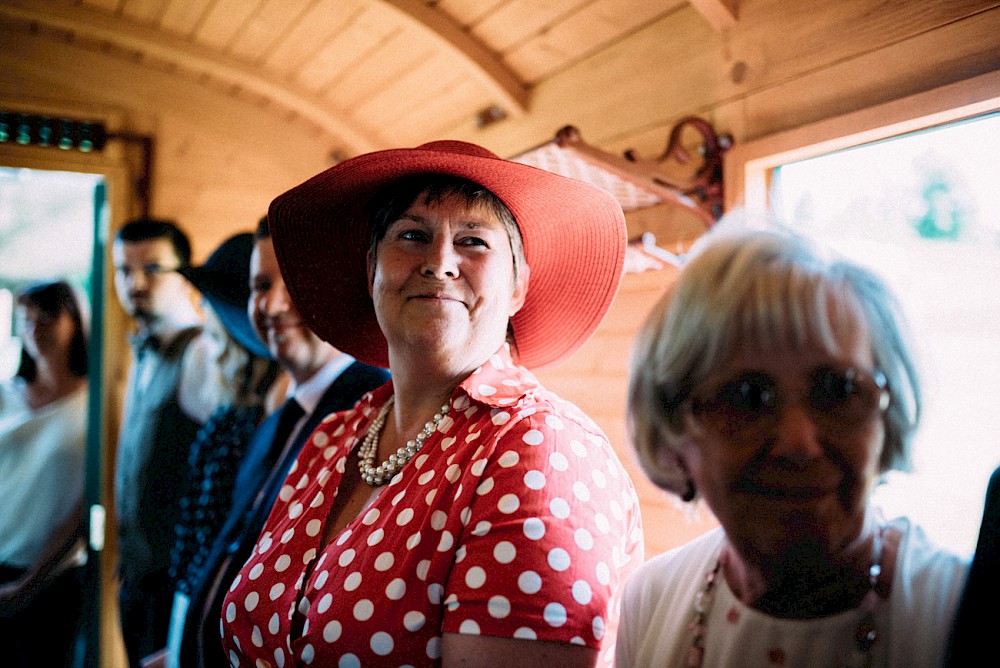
(551, 533)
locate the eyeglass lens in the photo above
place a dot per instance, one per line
(841, 399)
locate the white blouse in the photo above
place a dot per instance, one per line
(41, 470)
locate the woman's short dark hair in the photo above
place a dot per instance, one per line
(399, 195)
(53, 298)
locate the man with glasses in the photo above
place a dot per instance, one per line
(157, 426)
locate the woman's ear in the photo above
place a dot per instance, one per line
(370, 267)
(520, 292)
(669, 460)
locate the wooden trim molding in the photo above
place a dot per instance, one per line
(748, 166)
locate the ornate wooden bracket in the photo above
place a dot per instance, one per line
(702, 193)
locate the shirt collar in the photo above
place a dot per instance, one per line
(160, 334)
(309, 393)
(499, 382)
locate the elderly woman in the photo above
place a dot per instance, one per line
(460, 514)
(776, 384)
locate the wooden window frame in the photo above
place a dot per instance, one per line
(749, 167)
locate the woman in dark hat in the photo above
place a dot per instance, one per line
(235, 380)
(461, 512)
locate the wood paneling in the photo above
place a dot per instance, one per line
(249, 97)
(596, 379)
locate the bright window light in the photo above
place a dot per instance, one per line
(923, 210)
(46, 232)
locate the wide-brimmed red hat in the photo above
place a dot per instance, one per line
(574, 242)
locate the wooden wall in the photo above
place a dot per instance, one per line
(219, 160)
(595, 378)
(784, 65)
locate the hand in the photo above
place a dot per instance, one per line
(155, 660)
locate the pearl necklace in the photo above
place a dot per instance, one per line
(865, 634)
(383, 472)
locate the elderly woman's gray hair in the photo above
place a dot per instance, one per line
(759, 291)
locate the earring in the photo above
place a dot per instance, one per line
(689, 492)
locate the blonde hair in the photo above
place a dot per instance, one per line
(752, 289)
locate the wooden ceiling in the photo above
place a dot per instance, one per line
(367, 74)
(246, 98)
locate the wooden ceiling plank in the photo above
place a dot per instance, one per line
(195, 58)
(393, 109)
(147, 12)
(507, 89)
(468, 12)
(110, 6)
(308, 34)
(584, 33)
(268, 25)
(182, 17)
(350, 49)
(387, 108)
(517, 21)
(223, 22)
(720, 14)
(383, 66)
(433, 118)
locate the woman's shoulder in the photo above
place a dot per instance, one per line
(544, 409)
(926, 588)
(681, 564)
(924, 565)
(659, 595)
(11, 399)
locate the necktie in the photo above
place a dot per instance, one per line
(291, 412)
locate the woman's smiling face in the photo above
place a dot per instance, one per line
(442, 281)
(787, 447)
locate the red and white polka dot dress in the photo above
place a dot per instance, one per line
(515, 520)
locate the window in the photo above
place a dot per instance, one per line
(46, 228)
(915, 198)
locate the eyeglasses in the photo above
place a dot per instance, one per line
(839, 401)
(147, 270)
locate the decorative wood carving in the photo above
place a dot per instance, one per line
(702, 194)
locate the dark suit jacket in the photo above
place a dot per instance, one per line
(972, 642)
(258, 481)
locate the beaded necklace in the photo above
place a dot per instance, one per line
(377, 475)
(865, 634)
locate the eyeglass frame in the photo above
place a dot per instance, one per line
(769, 416)
(148, 270)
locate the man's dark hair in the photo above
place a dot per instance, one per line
(263, 231)
(144, 229)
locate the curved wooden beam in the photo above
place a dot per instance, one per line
(99, 26)
(511, 93)
(721, 14)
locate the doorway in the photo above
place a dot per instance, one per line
(51, 226)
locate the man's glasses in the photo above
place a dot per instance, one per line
(147, 270)
(839, 401)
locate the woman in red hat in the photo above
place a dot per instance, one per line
(461, 513)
